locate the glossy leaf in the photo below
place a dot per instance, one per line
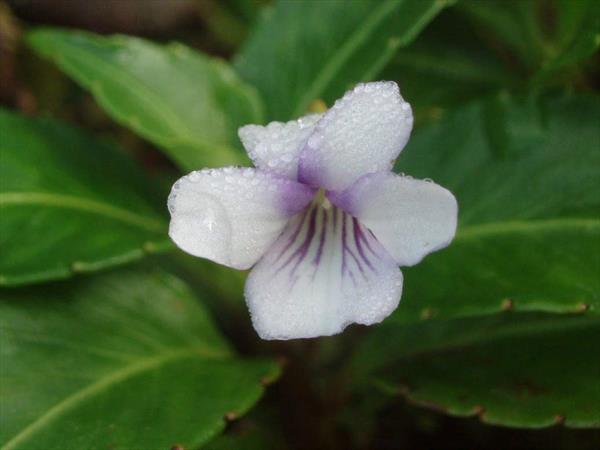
(70, 204)
(481, 47)
(123, 360)
(447, 65)
(185, 102)
(544, 35)
(303, 51)
(577, 37)
(515, 26)
(526, 179)
(513, 370)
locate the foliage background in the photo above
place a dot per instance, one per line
(113, 339)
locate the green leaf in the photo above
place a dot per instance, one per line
(527, 179)
(513, 370)
(448, 64)
(303, 51)
(543, 35)
(251, 435)
(69, 203)
(516, 26)
(481, 47)
(188, 104)
(577, 37)
(124, 360)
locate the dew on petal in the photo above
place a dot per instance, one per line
(276, 147)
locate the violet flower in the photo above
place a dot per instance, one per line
(322, 218)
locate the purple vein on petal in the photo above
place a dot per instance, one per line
(301, 251)
(344, 267)
(364, 238)
(357, 261)
(324, 224)
(358, 236)
(335, 219)
(294, 235)
(317, 238)
(346, 248)
(310, 235)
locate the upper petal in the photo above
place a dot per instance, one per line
(276, 147)
(362, 133)
(232, 215)
(410, 218)
(324, 272)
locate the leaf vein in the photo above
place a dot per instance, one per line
(96, 387)
(482, 230)
(328, 71)
(82, 204)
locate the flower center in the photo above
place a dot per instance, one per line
(321, 199)
(323, 241)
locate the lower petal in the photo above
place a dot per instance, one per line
(324, 272)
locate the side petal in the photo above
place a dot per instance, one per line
(410, 218)
(276, 147)
(362, 133)
(232, 215)
(324, 272)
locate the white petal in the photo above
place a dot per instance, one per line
(232, 215)
(276, 147)
(362, 133)
(410, 218)
(325, 272)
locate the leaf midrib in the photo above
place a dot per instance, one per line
(81, 204)
(103, 383)
(522, 226)
(408, 36)
(328, 71)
